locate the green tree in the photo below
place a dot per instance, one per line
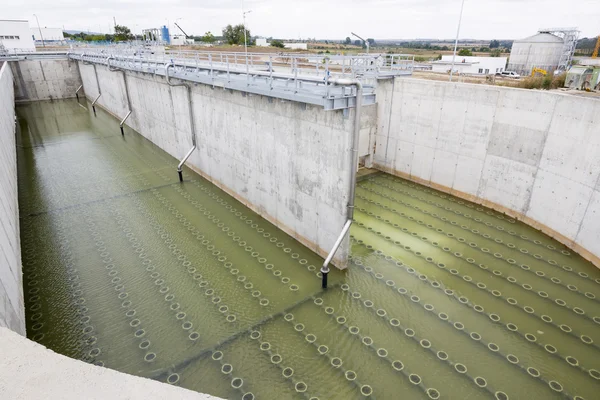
(122, 33)
(208, 38)
(494, 44)
(277, 43)
(235, 34)
(465, 52)
(348, 40)
(495, 53)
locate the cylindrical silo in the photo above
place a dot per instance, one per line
(542, 50)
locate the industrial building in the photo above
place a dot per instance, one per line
(470, 65)
(550, 49)
(15, 34)
(47, 34)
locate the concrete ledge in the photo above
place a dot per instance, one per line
(494, 206)
(30, 371)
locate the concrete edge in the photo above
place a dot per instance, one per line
(29, 370)
(570, 243)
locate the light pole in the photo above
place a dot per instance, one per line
(456, 41)
(245, 38)
(40, 29)
(366, 41)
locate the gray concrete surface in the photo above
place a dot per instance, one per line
(287, 161)
(30, 371)
(12, 309)
(533, 154)
(45, 79)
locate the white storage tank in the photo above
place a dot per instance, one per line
(542, 50)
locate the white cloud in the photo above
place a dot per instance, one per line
(327, 19)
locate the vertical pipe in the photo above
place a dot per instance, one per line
(192, 123)
(353, 169)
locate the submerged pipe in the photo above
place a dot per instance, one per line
(123, 121)
(77, 92)
(180, 166)
(94, 103)
(353, 168)
(191, 112)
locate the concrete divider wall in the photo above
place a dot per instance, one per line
(534, 155)
(45, 79)
(287, 161)
(12, 309)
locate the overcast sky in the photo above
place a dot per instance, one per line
(326, 19)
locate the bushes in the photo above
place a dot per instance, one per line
(543, 82)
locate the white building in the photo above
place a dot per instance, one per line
(470, 65)
(262, 42)
(180, 40)
(15, 34)
(47, 34)
(296, 46)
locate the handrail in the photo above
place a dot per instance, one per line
(361, 66)
(353, 168)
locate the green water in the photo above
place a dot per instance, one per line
(127, 268)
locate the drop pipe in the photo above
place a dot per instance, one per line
(191, 112)
(353, 169)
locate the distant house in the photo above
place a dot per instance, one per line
(262, 42)
(471, 65)
(296, 46)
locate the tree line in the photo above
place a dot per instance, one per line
(122, 34)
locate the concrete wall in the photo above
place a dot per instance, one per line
(532, 154)
(287, 161)
(12, 309)
(30, 371)
(45, 79)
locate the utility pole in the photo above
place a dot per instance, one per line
(456, 41)
(114, 21)
(40, 29)
(245, 38)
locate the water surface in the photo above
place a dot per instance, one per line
(126, 268)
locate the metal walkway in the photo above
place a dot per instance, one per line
(302, 78)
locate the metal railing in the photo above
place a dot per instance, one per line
(315, 65)
(298, 77)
